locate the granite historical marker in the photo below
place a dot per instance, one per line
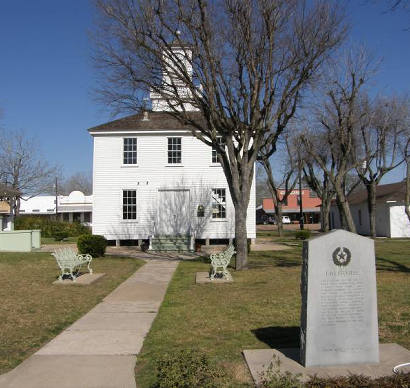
(339, 303)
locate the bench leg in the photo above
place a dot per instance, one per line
(214, 270)
(90, 270)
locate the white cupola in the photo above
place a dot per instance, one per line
(183, 54)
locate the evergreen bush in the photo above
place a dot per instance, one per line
(302, 234)
(92, 244)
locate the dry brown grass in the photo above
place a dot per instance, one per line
(33, 310)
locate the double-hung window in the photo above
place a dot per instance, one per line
(214, 152)
(129, 204)
(218, 203)
(130, 150)
(174, 150)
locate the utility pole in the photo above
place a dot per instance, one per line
(301, 221)
(56, 199)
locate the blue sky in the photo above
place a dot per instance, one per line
(47, 76)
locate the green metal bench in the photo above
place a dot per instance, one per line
(220, 262)
(71, 262)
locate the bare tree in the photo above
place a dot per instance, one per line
(338, 121)
(378, 143)
(80, 181)
(318, 179)
(283, 181)
(262, 190)
(398, 4)
(22, 168)
(406, 155)
(240, 64)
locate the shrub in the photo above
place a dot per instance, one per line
(60, 235)
(302, 234)
(393, 381)
(50, 227)
(92, 244)
(274, 378)
(145, 246)
(186, 369)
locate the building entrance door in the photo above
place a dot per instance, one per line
(173, 212)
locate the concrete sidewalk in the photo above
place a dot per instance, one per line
(98, 350)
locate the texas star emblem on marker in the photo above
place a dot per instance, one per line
(341, 256)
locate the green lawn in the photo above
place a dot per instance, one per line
(33, 310)
(260, 310)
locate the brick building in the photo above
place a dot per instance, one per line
(310, 202)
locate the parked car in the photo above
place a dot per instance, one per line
(286, 220)
(269, 220)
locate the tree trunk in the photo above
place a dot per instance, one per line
(278, 211)
(340, 211)
(241, 240)
(324, 214)
(407, 199)
(13, 207)
(344, 210)
(371, 205)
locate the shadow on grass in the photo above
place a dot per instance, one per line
(274, 259)
(278, 336)
(263, 259)
(383, 264)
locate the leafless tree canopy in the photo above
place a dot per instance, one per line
(282, 173)
(80, 181)
(242, 65)
(397, 4)
(331, 139)
(22, 167)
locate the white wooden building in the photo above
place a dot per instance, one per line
(152, 177)
(391, 219)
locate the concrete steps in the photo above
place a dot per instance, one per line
(171, 243)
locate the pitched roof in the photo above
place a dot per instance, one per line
(155, 121)
(389, 192)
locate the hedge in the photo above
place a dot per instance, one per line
(51, 228)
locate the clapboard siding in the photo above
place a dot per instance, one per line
(197, 174)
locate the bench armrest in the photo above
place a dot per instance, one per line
(86, 258)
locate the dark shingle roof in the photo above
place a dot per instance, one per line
(156, 121)
(389, 192)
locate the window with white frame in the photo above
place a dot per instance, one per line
(214, 153)
(218, 203)
(130, 150)
(174, 150)
(129, 204)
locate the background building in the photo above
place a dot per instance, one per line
(310, 205)
(391, 218)
(75, 207)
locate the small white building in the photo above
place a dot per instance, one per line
(75, 207)
(153, 178)
(391, 218)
